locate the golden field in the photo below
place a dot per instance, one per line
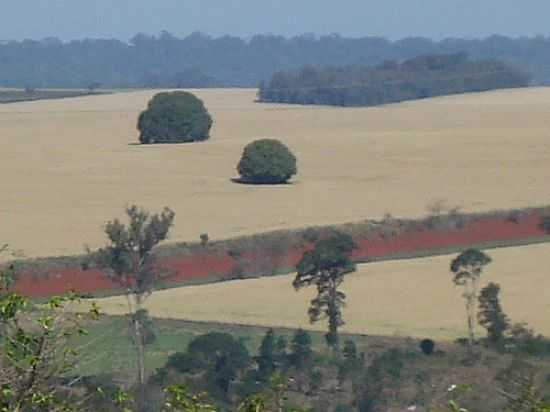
(68, 166)
(406, 298)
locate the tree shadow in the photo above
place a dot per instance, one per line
(241, 181)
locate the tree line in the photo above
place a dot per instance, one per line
(416, 78)
(38, 357)
(199, 60)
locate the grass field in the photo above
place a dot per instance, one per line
(107, 348)
(403, 298)
(69, 165)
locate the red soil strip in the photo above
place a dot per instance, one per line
(484, 230)
(263, 260)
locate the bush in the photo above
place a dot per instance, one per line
(300, 349)
(350, 350)
(524, 340)
(174, 117)
(343, 408)
(267, 161)
(427, 346)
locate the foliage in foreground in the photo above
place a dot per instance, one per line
(36, 353)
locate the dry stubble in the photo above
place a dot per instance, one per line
(68, 166)
(407, 298)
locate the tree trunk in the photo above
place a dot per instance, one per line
(471, 296)
(140, 350)
(134, 305)
(471, 336)
(332, 337)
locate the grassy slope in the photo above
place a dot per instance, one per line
(107, 348)
(420, 380)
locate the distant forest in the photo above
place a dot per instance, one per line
(416, 78)
(202, 61)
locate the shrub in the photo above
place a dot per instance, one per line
(315, 379)
(174, 117)
(427, 346)
(524, 340)
(267, 161)
(183, 362)
(343, 408)
(350, 350)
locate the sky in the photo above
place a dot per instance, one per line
(394, 19)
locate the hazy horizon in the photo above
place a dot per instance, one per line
(393, 19)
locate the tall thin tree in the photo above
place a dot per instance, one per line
(467, 269)
(130, 261)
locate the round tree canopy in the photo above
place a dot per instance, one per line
(267, 161)
(174, 117)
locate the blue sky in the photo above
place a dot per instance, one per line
(71, 19)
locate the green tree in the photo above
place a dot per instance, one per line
(280, 351)
(219, 354)
(7, 274)
(267, 161)
(300, 349)
(350, 362)
(267, 356)
(467, 269)
(130, 261)
(490, 315)
(174, 117)
(382, 381)
(325, 267)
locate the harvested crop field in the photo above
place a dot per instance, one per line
(405, 298)
(69, 165)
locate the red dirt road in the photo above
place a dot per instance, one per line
(218, 266)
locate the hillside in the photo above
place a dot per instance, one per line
(70, 165)
(403, 298)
